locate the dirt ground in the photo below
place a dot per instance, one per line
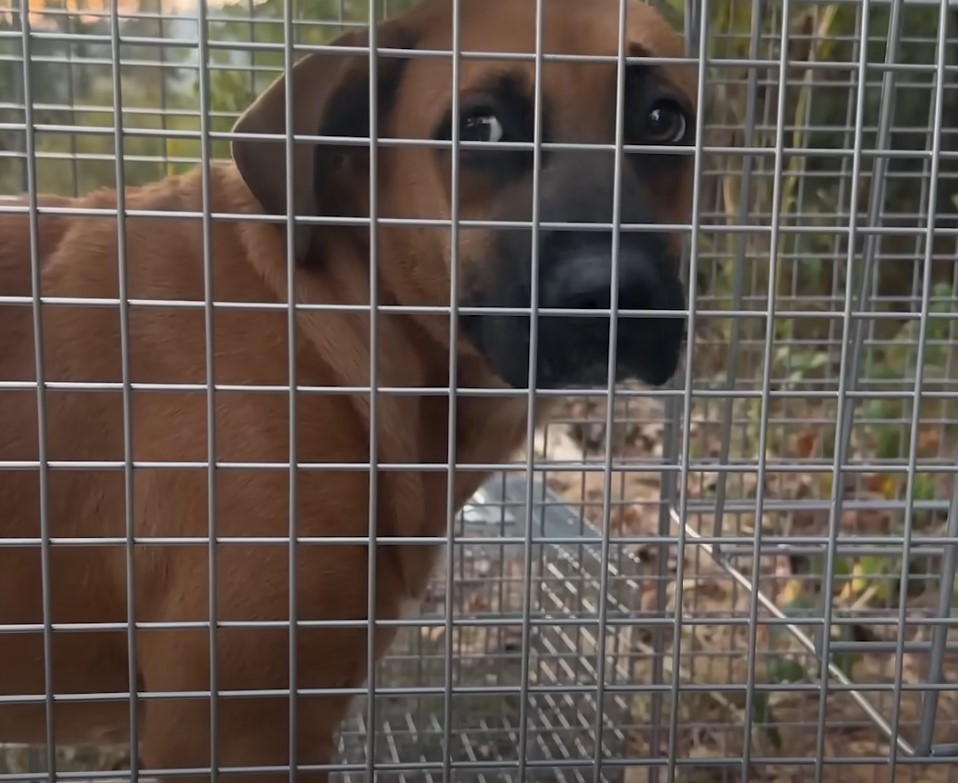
(710, 723)
(714, 662)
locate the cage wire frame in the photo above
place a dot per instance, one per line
(590, 621)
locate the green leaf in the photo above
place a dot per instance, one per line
(889, 442)
(876, 409)
(799, 607)
(943, 290)
(846, 662)
(870, 569)
(843, 568)
(762, 715)
(872, 566)
(919, 571)
(828, 443)
(886, 371)
(923, 487)
(785, 670)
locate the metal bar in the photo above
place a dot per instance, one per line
(293, 493)
(807, 644)
(603, 598)
(909, 520)
(121, 246)
(738, 285)
(452, 430)
(71, 99)
(38, 350)
(523, 739)
(24, 148)
(853, 332)
(822, 65)
(851, 346)
(768, 351)
(373, 382)
(684, 455)
(210, 358)
(939, 633)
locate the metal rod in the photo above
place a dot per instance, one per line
(939, 633)
(537, 133)
(767, 359)
(293, 494)
(686, 416)
(603, 598)
(915, 430)
(371, 583)
(452, 429)
(38, 352)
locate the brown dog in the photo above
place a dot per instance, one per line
(89, 504)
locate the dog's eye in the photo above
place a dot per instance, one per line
(482, 127)
(665, 123)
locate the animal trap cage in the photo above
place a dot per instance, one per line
(566, 568)
(764, 587)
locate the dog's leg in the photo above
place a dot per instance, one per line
(252, 735)
(252, 731)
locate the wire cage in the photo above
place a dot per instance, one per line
(566, 582)
(747, 575)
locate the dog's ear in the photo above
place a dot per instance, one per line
(330, 97)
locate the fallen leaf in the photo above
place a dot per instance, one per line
(883, 484)
(624, 520)
(790, 593)
(802, 445)
(929, 441)
(433, 633)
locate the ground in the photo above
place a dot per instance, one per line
(715, 641)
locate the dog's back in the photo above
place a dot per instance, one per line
(15, 238)
(20, 515)
(16, 328)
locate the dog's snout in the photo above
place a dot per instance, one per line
(584, 281)
(578, 274)
(579, 281)
(574, 268)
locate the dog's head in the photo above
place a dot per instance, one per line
(330, 97)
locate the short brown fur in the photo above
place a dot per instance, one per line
(79, 256)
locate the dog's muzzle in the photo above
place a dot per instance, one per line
(575, 269)
(572, 349)
(648, 344)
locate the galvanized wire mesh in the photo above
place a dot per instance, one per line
(789, 501)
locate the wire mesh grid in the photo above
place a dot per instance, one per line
(488, 586)
(788, 500)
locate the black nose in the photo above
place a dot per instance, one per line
(578, 274)
(582, 280)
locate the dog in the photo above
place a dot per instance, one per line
(169, 582)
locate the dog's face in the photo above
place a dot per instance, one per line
(576, 184)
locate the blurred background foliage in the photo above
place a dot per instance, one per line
(819, 118)
(72, 88)
(72, 93)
